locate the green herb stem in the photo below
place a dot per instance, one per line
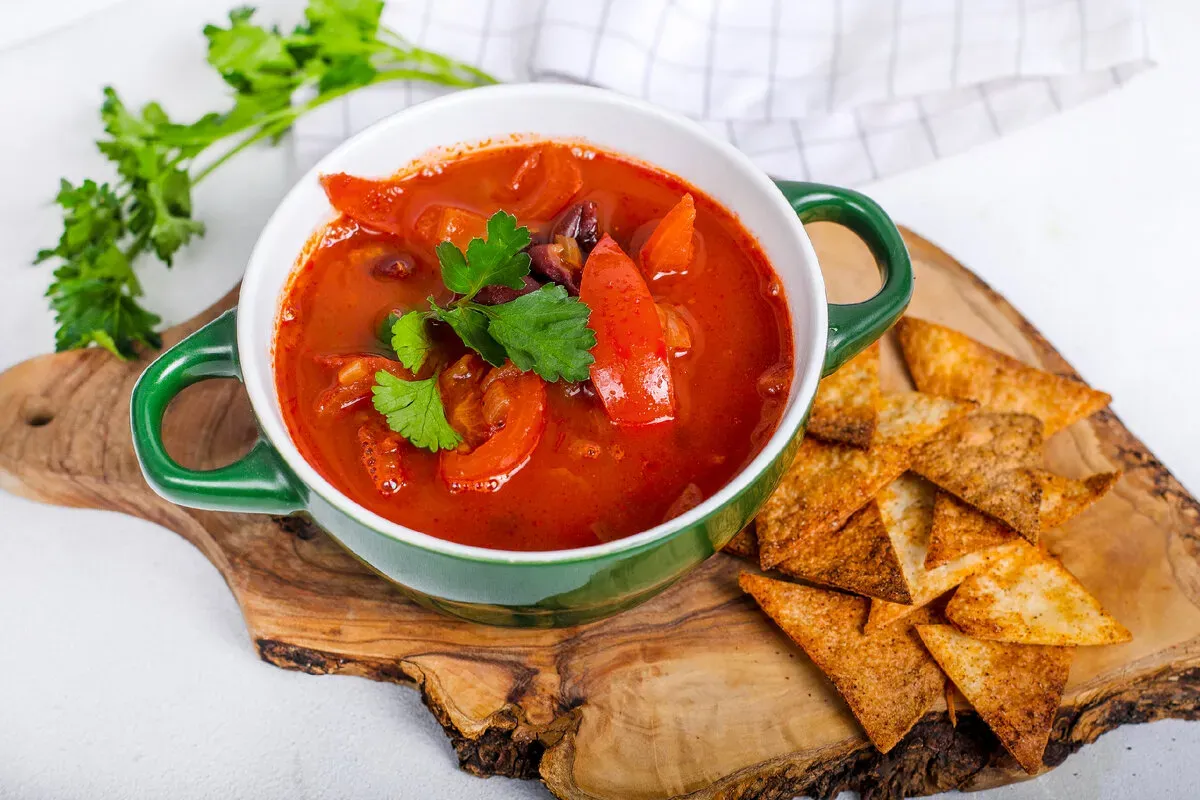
(340, 48)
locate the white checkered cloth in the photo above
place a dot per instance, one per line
(840, 91)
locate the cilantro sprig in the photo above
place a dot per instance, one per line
(276, 78)
(545, 331)
(499, 260)
(414, 410)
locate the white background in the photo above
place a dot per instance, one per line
(125, 669)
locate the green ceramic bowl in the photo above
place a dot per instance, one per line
(563, 587)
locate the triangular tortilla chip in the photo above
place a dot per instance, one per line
(989, 460)
(1015, 688)
(907, 419)
(908, 507)
(889, 680)
(828, 482)
(1027, 596)
(847, 402)
(959, 529)
(946, 362)
(858, 557)
(1064, 498)
(743, 545)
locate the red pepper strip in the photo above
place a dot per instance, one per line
(376, 204)
(631, 373)
(669, 249)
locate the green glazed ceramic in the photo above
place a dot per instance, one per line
(553, 588)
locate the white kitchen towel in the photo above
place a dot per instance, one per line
(841, 91)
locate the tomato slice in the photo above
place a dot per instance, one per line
(460, 227)
(669, 249)
(560, 180)
(514, 404)
(631, 373)
(376, 204)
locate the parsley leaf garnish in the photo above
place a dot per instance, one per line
(410, 340)
(276, 77)
(414, 410)
(497, 261)
(545, 331)
(471, 325)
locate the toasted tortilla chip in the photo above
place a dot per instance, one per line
(1015, 688)
(743, 545)
(959, 529)
(989, 460)
(951, 711)
(906, 506)
(889, 680)
(858, 557)
(827, 483)
(946, 362)
(909, 509)
(1027, 596)
(847, 402)
(907, 419)
(1063, 498)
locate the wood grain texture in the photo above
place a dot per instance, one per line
(693, 694)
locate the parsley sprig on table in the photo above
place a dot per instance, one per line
(545, 331)
(276, 78)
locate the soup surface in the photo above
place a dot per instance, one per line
(692, 353)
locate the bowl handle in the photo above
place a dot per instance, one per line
(852, 327)
(259, 481)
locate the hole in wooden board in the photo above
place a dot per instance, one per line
(209, 424)
(37, 412)
(846, 263)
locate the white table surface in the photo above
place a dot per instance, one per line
(125, 669)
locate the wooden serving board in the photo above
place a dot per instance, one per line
(694, 693)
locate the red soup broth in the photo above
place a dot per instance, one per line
(589, 480)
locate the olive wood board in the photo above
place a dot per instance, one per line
(692, 694)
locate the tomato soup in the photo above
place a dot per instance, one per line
(601, 357)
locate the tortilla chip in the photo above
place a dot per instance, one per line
(989, 460)
(858, 557)
(909, 507)
(827, 483)
(906, 506)
(907, 419)
(1027, 596)
(1015, 688)
(1064, 498)
(959, 529)
(946, 362)
(847, 402)
(743, 545)
(889, 680)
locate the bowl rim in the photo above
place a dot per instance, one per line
(806, 371)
